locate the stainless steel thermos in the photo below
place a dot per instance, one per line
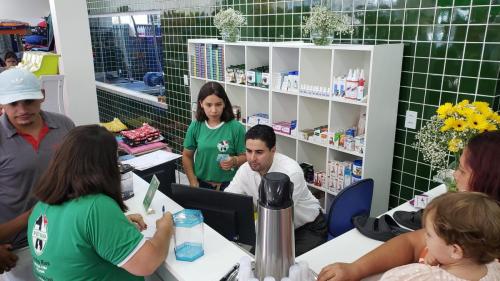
(275, 247)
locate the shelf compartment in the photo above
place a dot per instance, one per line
(283, 60)
(256, 56)
(234, 55)
(344, 60)
(333, 181)
(286, 145)
(312, 113)
(284, 108)
(315, 67)
(312, 154)
(237, 96)
(257, 102)
(344, 116)
(351, 59)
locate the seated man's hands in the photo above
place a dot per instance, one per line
(338, 272)
(7, 258)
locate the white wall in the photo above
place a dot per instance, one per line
(72, 35)
(30, 11)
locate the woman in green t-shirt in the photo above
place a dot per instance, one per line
(214, 146)
(78, 231)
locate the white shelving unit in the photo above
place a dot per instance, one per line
(318, 66)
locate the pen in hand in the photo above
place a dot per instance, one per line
(163, 209)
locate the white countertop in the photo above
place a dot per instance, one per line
(351, 245)
(220, 254)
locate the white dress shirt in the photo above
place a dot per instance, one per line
(306, 206)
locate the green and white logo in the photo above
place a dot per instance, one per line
(39, 234)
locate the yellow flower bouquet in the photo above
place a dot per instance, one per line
(449, 132)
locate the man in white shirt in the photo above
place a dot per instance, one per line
(262, 158)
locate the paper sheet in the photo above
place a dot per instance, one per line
(151, 223)
(152, 159)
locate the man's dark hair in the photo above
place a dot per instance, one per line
(85, 163)
(263, 133)
(10, 55)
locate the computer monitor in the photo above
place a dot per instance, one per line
(230, 214)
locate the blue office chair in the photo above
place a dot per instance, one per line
(351, 201)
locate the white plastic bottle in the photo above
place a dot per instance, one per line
(348, 86)
(354, 84)
(361, 86)
(342, 87)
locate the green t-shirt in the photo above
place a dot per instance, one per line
(212, 145)
(88, 238)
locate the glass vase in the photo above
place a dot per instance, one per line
(446, 176)
(322, 37)
(230, 34)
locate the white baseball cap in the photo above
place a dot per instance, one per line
(19, 84)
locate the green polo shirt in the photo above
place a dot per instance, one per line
(212, 145)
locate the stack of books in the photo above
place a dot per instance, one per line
(215, 62)
(198, 61)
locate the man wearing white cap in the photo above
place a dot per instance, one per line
(28, 138)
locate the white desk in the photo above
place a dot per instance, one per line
(220, 253)
(351, 245)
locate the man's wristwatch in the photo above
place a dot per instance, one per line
(235, 161)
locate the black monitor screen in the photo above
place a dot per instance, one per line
(229, 214)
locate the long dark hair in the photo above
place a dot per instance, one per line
(85, 163)
(483, 152)
(214, 88)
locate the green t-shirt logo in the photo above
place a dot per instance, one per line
(39, 234)
(223, 146)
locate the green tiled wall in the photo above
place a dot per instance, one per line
(451, 53)
(133, 113)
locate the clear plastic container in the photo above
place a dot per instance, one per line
(127, 182)
(188, 235)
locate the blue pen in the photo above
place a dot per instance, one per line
(163, 209)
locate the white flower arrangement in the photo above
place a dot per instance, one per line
(229, 19)
(326, 21)
(433, 146)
